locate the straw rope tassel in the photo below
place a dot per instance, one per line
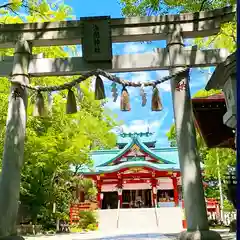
(99, 89)
(156, 101)
(71, 103)
(39, 108)
(125, 101)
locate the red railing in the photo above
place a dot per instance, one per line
(75, 209)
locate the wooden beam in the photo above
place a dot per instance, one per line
(156, 60)
(133, 29)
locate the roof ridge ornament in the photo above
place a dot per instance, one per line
(136, 134)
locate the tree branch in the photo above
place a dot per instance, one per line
(202, 5)
(6, 5)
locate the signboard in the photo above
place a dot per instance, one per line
(96, 40)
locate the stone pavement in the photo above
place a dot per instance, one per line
(121, 236)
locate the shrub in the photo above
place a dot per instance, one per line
(75, 229)
(92, 227)
(86, 218)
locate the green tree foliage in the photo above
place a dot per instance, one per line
(58, 146)
(89, 189)
(226, 38)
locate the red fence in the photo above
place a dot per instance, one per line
(76, 208)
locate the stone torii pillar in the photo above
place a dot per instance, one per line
(14, 141)
(195, 206)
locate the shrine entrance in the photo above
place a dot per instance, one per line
(137, 198)
(110, 200)
(96, 34)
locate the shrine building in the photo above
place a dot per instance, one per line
(136, 174)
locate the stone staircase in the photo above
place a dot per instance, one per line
(168, 220)
(107, 219)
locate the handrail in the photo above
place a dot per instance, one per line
(118, 211)
(156, 215)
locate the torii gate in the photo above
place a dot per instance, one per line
(96, 36)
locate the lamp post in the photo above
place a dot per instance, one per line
(119, 197)
(154, 189)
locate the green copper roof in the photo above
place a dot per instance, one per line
(136, 141)
(105, 160)
(163, 167)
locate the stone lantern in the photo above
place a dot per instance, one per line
(224, 78)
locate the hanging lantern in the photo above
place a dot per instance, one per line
(71, 103)
(99, 89)
(39, 108)
(156, 101)
(125, 102)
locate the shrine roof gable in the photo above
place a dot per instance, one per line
(110, 157)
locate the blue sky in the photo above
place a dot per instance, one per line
(139, 118)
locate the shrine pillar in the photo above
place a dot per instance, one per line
(195, 206)
(175, 191)
(99, 193)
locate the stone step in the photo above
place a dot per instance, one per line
(169, 219)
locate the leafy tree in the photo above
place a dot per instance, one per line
(87, 186)
(226, 38)
(36, 10)
(54, 146)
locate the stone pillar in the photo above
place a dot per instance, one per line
(175, 191)
(195, 207)
(14, 141)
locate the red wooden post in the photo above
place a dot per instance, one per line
(99, 201)
(71, 214)
(154, 191)
(175, 191)
(99, 188)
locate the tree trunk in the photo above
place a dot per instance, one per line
(14, 141)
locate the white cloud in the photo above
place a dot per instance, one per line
(140, 76)
(134, 48)
(141, 126)
(144, 125)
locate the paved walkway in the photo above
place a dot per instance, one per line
(120, 236)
